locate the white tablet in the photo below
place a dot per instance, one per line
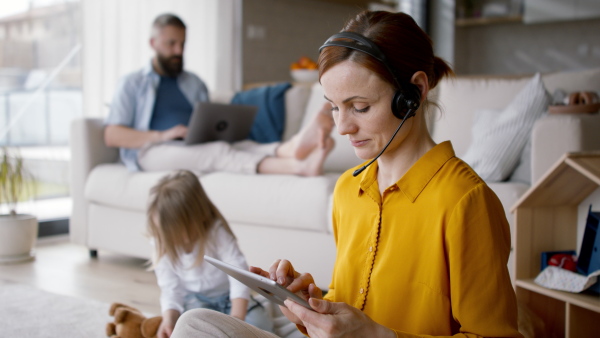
(265, 286)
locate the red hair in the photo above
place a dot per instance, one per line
(407, 48)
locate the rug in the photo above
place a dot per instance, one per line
(27, 312)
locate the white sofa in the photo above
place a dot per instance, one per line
(285, 216)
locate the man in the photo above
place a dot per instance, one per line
(152, 107)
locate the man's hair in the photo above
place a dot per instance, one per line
(164, 20)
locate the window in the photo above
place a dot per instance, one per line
(40, 90)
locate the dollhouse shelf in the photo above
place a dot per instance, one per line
(546, 220)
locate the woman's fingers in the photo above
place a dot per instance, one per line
(259, 271)
(301, 283)
(315, 292)
(273, 270)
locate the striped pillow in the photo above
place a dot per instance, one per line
(500, 136)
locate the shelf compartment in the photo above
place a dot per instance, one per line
(590, 302)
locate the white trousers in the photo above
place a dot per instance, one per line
(208, 323)
(238, 157)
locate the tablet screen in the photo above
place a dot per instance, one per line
(265, 286)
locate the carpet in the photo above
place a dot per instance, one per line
(27, 312)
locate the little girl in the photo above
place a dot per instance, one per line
(185, 225)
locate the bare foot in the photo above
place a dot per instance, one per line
(315, 134)
(312, 165)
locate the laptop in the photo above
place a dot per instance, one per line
(220, 122)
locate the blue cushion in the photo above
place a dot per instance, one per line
(269, 123)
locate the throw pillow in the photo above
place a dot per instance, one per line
(270, 119)
(499, 137)
(522, 173)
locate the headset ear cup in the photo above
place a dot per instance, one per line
(402, 102)
(398, 105)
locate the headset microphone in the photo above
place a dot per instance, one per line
(410, 113)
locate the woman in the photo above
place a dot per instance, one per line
(422, 241)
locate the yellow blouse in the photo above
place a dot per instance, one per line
(429, 256)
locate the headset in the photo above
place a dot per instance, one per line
(407, 98)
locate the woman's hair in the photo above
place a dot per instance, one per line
(407, 48)
(180, 213)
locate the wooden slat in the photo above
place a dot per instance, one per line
(568, 182)
(582, 300)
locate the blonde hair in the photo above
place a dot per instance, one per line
(179, 214)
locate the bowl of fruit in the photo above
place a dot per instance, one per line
(304, 70)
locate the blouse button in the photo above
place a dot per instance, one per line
(362, 290)
(370, 249)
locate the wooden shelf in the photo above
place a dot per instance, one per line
(467, 22)
(586, 301)
(546, 220)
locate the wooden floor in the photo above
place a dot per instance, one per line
(64, 268)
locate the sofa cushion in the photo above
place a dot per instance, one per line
(500, 136)
(285, 201)
(461, 97)
(113, 185)
(572, 81)
(342, 157)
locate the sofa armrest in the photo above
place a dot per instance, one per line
(554, 135)
(87, 151)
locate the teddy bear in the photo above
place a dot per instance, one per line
(129, 322)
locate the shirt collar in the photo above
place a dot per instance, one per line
(149, 69)
(417, 177)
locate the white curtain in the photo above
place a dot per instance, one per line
(116, 37)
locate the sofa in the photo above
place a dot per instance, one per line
(286, 216)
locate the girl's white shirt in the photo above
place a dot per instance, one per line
(176, 282)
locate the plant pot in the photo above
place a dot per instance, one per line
(18, 235)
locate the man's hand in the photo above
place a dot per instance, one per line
(125, 137)
(177, 132)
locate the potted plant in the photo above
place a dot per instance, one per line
(18, 232)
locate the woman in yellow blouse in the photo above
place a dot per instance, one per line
(422, 241)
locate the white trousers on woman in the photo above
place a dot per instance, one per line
(239, 157)
(209, 323)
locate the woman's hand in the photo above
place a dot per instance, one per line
(168, 323)
(336, 320)
(301, 284)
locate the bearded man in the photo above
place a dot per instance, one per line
(154, 104)
(152, 107)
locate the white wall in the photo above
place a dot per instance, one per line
(517, 48)
(116, 41)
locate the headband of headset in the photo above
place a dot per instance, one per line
(362, 44)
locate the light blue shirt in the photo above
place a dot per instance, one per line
(134, 99)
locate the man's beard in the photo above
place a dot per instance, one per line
(171, 66)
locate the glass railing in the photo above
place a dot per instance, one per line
(46, 121)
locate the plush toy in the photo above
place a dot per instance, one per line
(131, 323)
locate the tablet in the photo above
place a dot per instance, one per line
(265, 286)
